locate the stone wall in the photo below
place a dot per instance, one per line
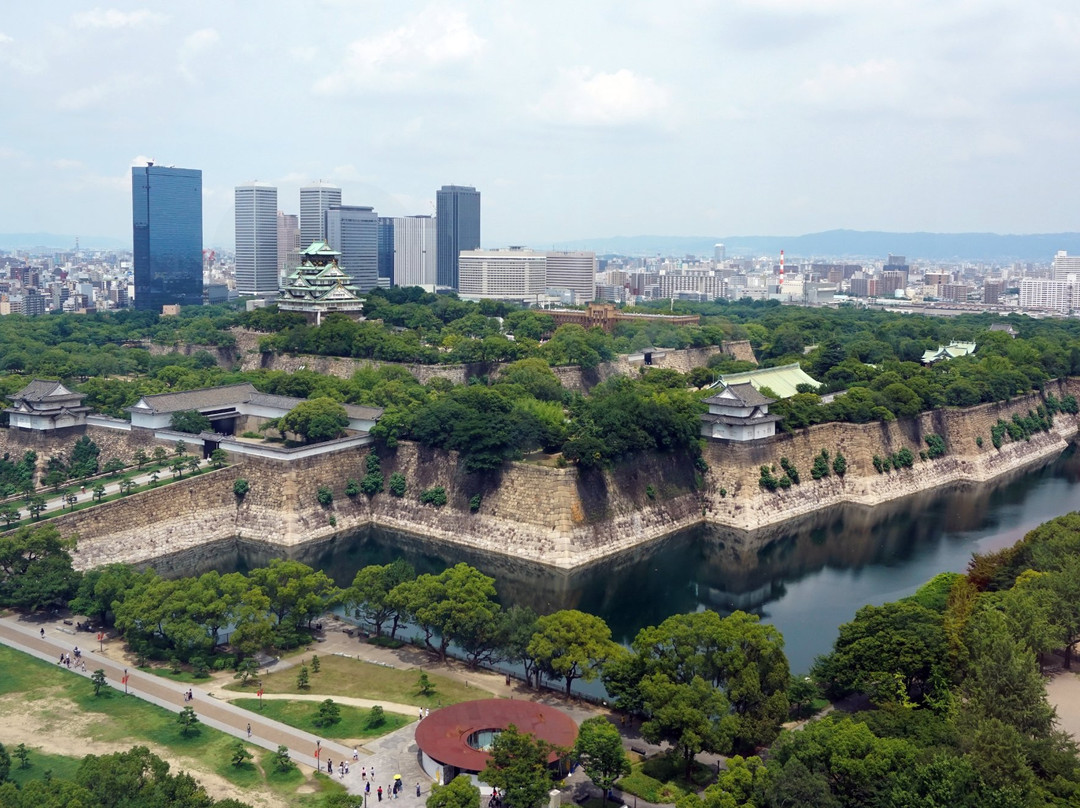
(739, 349)
(556, 516)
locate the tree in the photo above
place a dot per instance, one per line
(218, 458)
(693, 717)
(22, 754)
(98, 492)
(126, 486)
(177, 468)
(241, 487)
(297, 593)
(98, 678)
(190, 421)
(459, 606)
(318, 419)
(84, 458)
(303, 679)
(376, 717)
(282, 762)
(369, 596)
(36, 506)
(180, 448)
(160, 454)
(188, 721)
(396, 483)
(518, 767)
(10, 516)
(518, 627)
(5, 763)
(600, 750)
(423, 685)
(458, 793)
(36, 568)
(238, 754)
(327, 714)
(570, 645)
(141, 458)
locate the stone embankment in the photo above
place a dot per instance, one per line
(556, 516)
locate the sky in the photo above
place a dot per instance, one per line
(575, 120)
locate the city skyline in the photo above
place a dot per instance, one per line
(780, 116)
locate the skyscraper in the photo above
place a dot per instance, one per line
(457, 214)
(256, 239)
(386, 251)
(288, 242)
(315, 200)
(414, 251)
(166, 207)
(353, 231)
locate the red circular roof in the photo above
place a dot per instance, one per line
(443, 735)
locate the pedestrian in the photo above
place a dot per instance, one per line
(421, 714)
(346, 767)
(78, 653)
(367, 787)
(61, 660)
(249, 730)
(190, 695)
(330, 765)
(341, 770)
(363, 772)
(355, 754)
(418, 788)
(427, 712)
(373, 774)
(379, 793)
(43, 634)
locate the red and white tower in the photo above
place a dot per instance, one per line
(781, 270)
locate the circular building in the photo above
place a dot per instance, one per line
(453, 740)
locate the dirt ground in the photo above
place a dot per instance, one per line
(1063, 690)
(57, 726)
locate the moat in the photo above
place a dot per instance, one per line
(808, 580)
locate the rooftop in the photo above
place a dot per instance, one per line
(783, 380)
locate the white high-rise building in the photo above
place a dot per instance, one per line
(315, 201)
(415, 251)
(512, 274)
(256, 239)
(719, 253)
(575, 271)
(1065, 264)
(1051, 294)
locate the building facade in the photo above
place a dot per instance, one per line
(315, 201)
(386, 251)
(256, 239)
(457, 214)
(512, 274)
(1065, 265)
(166, 206)
(573, 271)
(288, 240)
(353, 231)
(1043, 293)
(415, 262)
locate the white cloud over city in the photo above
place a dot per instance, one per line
(575, 120)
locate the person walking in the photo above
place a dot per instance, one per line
(367, 787)
(363, 772)
(418, 788)
(249, 730)
(43, 634)
(379, 793)
(355, 754)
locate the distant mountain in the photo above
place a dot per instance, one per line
(853, 244)
(59, 241)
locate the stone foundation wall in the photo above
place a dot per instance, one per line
(557, 516)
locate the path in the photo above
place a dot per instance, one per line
(1063, 691)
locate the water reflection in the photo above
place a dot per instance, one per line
(806, 578)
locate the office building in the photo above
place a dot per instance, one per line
(315, 201)
(1046, 293)
(166, 206)
(288, 242)
(386, 250)
(719, 253)
(573, 271)
(353, 231)
(993, 291)
(511, 274)
(256, 239)
(457, 215)
(415, 261)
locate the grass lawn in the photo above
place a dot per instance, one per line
(125, 721)
(340, 676)
(62, 767)
(301, 714)
(662, 779)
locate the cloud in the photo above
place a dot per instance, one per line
(193, 48)
(434, 38)
(65, 164)
(114, 18)
(19, 57)
(874, 83)
(96, 95)
(603, 99)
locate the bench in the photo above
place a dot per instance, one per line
(639, 750)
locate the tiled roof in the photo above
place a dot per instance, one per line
(735, 420)
(782, 380)
(744, 393)
(197, 399)
(40, 389)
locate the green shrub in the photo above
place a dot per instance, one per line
(240, 487)
(397, 484)
(767, 480)
(936, 446)
(839, 465)
(352, 488)
(474, 502)
(790, 470)
(821, 465)
(325, 496)
(650, 492)
(372, 483)
(434, 496)
(978, 441)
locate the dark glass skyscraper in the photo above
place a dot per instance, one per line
(166, 205)
(457, 226)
